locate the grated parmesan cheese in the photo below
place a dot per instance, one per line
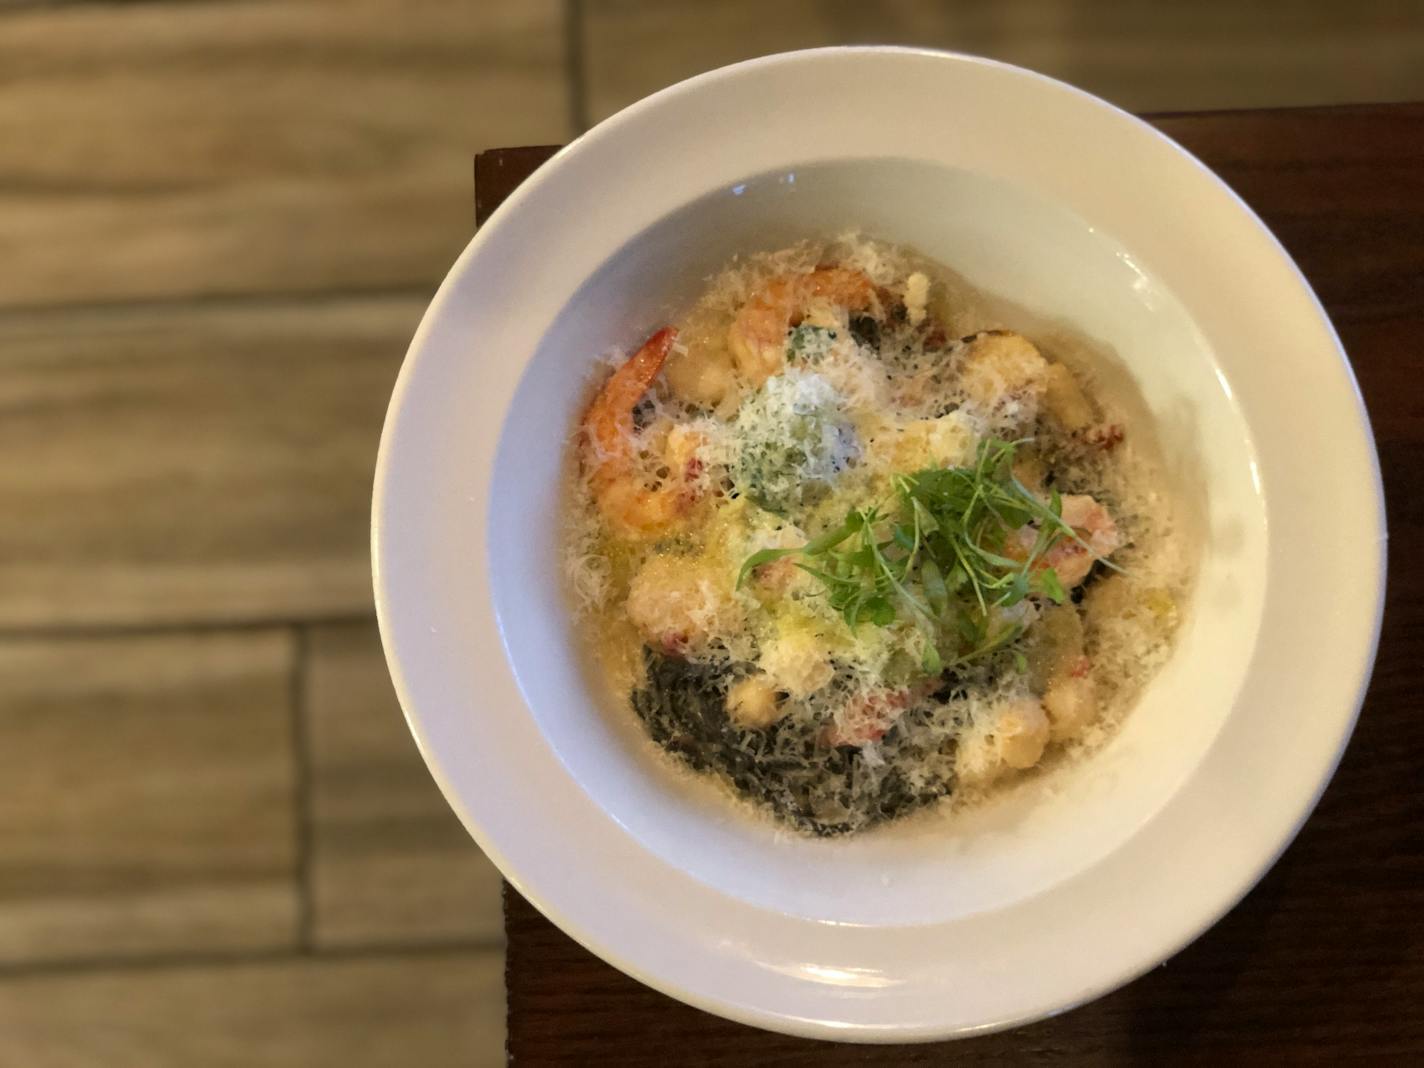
(850, 735)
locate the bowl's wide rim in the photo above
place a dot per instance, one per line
(1373, 525)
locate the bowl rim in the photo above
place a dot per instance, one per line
(384, 597)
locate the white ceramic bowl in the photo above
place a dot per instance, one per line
(1034, 191)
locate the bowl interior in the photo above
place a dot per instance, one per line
(1048, 273)
(1004, 915)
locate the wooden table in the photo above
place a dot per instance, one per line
(1323, 960)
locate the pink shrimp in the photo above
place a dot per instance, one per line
(757, 336)
(1071, 559)
(867, 718)
(610, 454)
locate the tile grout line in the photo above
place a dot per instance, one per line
(244, 958)
(219, 300)
(301, 793)
(80, 631)
(22, 6)
(575, 71)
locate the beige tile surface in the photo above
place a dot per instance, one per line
(420, 1010)
(390, 862)
(268, 145)
(219, 224)
(148, 796)
(1141, 54)
(195, 463)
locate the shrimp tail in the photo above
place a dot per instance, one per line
(634, 507)
(610, 416)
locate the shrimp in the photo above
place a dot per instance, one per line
(867, 718)
(631, 506)
(757, 336)
(1070, 558)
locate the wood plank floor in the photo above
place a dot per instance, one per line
(259, 146)
(219, 225)
(149, 786)
(1143, 55)
(432, 1009)
(390, 862)
(220, 221)
(192, 462)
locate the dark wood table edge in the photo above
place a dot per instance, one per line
(1411, 111)
(497, 171)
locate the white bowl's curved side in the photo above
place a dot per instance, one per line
(1261, 775)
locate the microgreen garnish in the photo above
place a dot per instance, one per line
(952, 550)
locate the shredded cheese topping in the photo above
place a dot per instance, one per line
(836, 728)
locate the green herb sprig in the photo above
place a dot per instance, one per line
(945, 554)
